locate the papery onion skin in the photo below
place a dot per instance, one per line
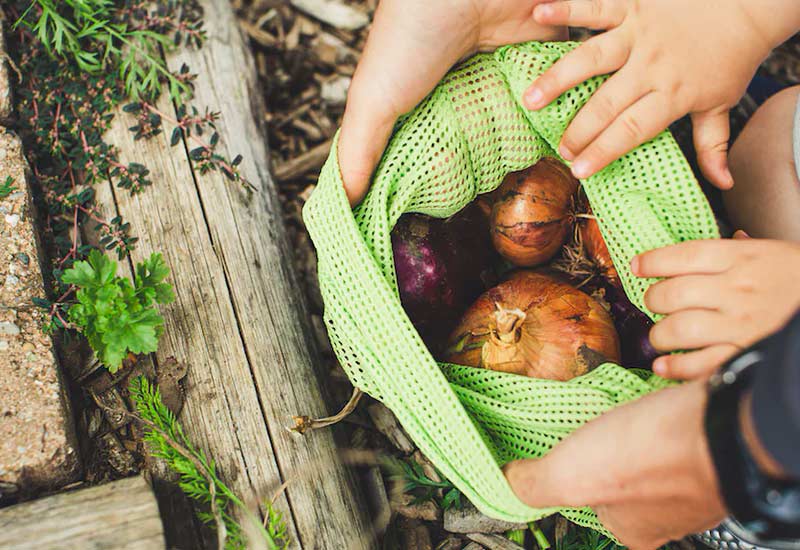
(596, 250)
(537, 326)
(532, 213)
(441, 267)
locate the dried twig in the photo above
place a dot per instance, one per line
(306, 423)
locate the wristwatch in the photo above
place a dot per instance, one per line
(764, 509)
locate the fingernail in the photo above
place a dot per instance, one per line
(566, 154)
(542, 11)
(660, 366)
(728, 179)
(533, 97)
(635, 265)
(581, 169)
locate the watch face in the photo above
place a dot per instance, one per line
(731, 535)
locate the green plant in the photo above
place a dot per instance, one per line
(423, 488)
(7, 187)
(198, 476)
(92, 34)
(73, 55)
(118, 317)
(582, 538)
(276, 526)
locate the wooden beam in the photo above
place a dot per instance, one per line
(239, 319)
(121, 514)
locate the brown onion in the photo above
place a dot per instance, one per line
(532, 213)
(596, 250)
(535, 325)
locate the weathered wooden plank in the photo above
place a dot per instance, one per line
(247, 231)
(122, 515)
(221, 414)
(182, 530)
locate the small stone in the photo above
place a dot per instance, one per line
(470, 520)
(8, 328)
(23, 258)
(12, 280)
(334, 92)
(3, 345)
(28, 346)
(12, 220)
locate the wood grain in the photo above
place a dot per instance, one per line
(122, 515)
(239, 319)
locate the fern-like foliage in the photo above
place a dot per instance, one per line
(198, 476)
(99, 35)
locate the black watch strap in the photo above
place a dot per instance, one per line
(767, 507)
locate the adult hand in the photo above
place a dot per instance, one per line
(411, 45)
(672, 57)
(644, 468)
(719, 296)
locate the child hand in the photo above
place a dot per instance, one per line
(672, 57)
(719, 296)
(411, 45)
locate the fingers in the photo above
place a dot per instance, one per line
(640, 123)
(366, 128)
(613, 97)
(741, 234)
(687, 292)
(693, 329)
(711, 135)
(550, 481)
(696, 364)
(691, 257)
(592, 14)
(602, 54)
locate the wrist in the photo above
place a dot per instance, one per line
(774, 21)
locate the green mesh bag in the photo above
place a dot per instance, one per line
(459, 142)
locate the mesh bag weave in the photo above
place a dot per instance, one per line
(459, 142)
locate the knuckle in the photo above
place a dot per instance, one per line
(594, 53)
(604, 108)
(631, 128)
(598, 8)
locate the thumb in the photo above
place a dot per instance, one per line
(541, 483)
(711, 134)
(366, 127)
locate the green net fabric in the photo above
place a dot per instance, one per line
(459, 142)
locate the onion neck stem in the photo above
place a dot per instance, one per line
(508, 324)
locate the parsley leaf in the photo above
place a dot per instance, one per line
(115, 316)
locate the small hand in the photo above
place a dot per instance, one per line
(644, 468)
(672, 57)
(719, 296)
(411, 45)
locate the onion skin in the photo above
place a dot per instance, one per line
(441, 267)
(532, 213)
(633, 327)
(537, 326)
(596, 250)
